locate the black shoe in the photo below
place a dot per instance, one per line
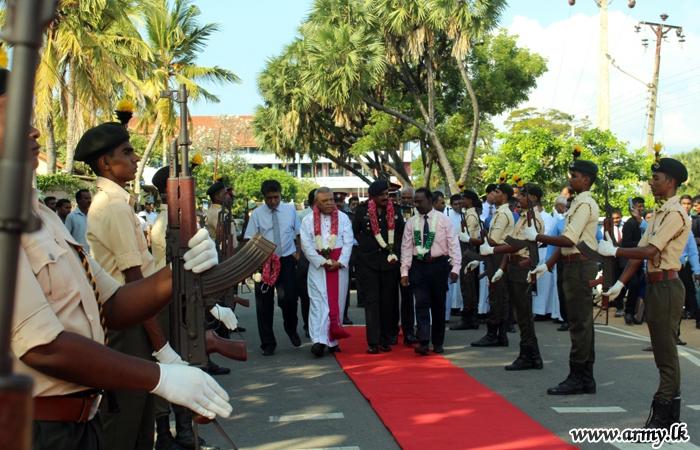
(422, 350)
(347, 321)
(394, 340)
(463, 325)
(360, 304)
(679, 342)
(317, 349)
(523, 361)
(697, 324)
(410, 339)
(564, 327)
(165, 439)
(648, 349)
(619, 313)
(306, 333)
(503, 334)
(239, 330)
(676, 410)
(268, 352)
(438, 349)
(455, 312)
(573, 383)
(373, 349)
(335, 349)
(385, 348)
(491, 338)
(587, 381)
(296, 340)
(214, 369)
(536, 357)
(629, 319)
(185, 433)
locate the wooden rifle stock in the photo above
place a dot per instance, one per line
(232, 349)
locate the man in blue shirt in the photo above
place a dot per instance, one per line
(76, 222)
(279, 223)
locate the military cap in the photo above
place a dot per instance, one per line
(339, 195)
(160, 178)
(505, 188)
(471, 195)
(101, 139)
(533, 189)
(584, 166)
(394, 188)
(216, 187)
(671, 167)
(377, 187)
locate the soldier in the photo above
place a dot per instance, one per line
(581, 224)
(339, 200)
(217, 194)
(64, 304)
(469, 281)
(501, 226)
(518, 293)
(661, 247)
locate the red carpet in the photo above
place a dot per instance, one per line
(429, 404)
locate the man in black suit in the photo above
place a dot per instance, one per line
(631, 235)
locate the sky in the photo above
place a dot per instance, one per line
(568, 36)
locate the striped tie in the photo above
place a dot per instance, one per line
(277, 240)
(91, 279)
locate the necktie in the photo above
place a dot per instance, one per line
(426, 231)
(619, 237)
(277, 240)
(490, 210)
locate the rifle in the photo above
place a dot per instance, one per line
(490, 264)
(608, 262)
(26, 21)
(225, 248)
(246, 220)
(533, 259)
(194, 292)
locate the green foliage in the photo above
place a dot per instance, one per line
(58, 182)
(691, 160)
(248, 184)
(304, 186)
(558, 122)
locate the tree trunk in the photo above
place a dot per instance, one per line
(475, 127)
(50, 144)
(71, 117)
(144, 161)
(165, 149)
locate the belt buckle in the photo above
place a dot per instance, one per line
(89, 414)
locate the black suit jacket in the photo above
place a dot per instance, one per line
(368, 252)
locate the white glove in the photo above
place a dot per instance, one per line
(225, 315)
(531, 233)
(485, 249)
(471, 266)
(167, 355)
(193, 389)
(614, 291)
(464, 237)
(606, 247)
(497, 276)
(202, 254)
(538, 272)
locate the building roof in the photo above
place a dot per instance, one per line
(43, 157)
(237, 128)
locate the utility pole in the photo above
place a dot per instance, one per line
(216, 158)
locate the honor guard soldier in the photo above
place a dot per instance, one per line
(64, 304)
(217, 193)
(661, 246)
(519, 292)
(581, 224)
(469, 281)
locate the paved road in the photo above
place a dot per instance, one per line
(324, 409)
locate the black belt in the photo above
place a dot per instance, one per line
(431, 260)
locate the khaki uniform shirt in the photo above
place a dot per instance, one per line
(54, 295)
(519, 231)
(502, 224)
(158, 244)
(581, 223)
(213, 221)
(472, 220)
(668, 230)
(114, 232)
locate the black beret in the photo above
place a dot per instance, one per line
(101, 139)
(584, 166)
(160, 178)
(471, 195)
(505, 188)
(4, 76)
(671, 167)
(533, 189)
(216, 187)
(377, 187)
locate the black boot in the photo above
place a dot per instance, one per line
(573, 383)
(588, 381)
(524, 361)
(535, 356)
(503, 334)
(676, 410)
(185, 433)
(469, 321)
(165, 439)
(491, 338)
(660, 415)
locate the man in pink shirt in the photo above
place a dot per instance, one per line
(428, 256)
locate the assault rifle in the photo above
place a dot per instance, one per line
(192, 293)
(608, 262)
(490, 264)
(24, 27)
(533, 259)
(226, 249)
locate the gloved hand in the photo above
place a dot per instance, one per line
(167, 355)
(606, 247)
(531, 233)
(614, 291)
(497, 276)
(202, 254)
(485, 249)
(471, 266)
(538, 272)
(193, 389)
(464, 236)
(225, 315)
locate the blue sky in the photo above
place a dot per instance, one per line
(251, 32)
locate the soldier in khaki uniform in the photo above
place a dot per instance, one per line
(661, 247)
(581, 225)
(529, 357)
(216, 193)
(502, 225)
(64, 303)
(469, 282)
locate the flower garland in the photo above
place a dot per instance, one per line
(422, 250)
(270, 271)
(326, 251)
(390, 227)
